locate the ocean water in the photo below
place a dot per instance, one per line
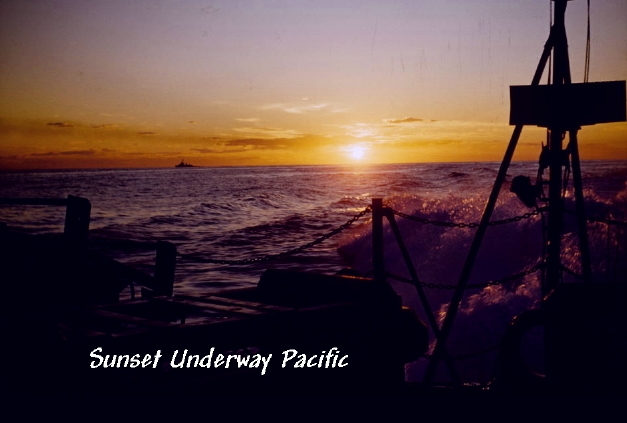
(240, 213)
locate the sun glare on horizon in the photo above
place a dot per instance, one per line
(356, 151)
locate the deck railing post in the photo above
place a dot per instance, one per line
(165, 266)
(378, 262)
(77, 215)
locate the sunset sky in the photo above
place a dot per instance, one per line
(146, 83)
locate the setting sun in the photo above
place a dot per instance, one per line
(356, 152)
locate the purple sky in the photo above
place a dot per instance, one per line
(200, 75)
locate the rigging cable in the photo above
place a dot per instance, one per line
(548, 77)
(586, 72)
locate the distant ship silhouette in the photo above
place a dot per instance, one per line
(183, 164)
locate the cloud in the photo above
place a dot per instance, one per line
(118, 116)
(66, 153)
(267, 144)
(61, 124)
(249, 144)
(404, 120)
(304, 109)
(246, 144)
(206, 150)
(191, 121)
(278, 143)
(146, 133)
(268, 132)
(218, 151)
(247, 119)
(259, 143)
(294, 108)
(108, 126)
(361, 130)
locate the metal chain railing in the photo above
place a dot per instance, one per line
(282, 254)
(413, 219)
(471, 286)
(341, 228)
(498, 222)
(464, 225)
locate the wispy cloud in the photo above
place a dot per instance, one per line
(246, 144)
(404, 120)
(219, 150)
(268, 132)
(121, 116)
(61, 124)
(146, 133)
(259, 143)
(247, 119)
(111, 126)
(66, 153)
(295, 108)
(361, 130)
(304, 109)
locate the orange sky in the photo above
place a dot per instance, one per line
(148, 83)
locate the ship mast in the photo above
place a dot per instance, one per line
(557, 129)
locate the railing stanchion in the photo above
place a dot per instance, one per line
(378, 261)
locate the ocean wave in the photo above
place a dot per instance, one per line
(242, 213)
